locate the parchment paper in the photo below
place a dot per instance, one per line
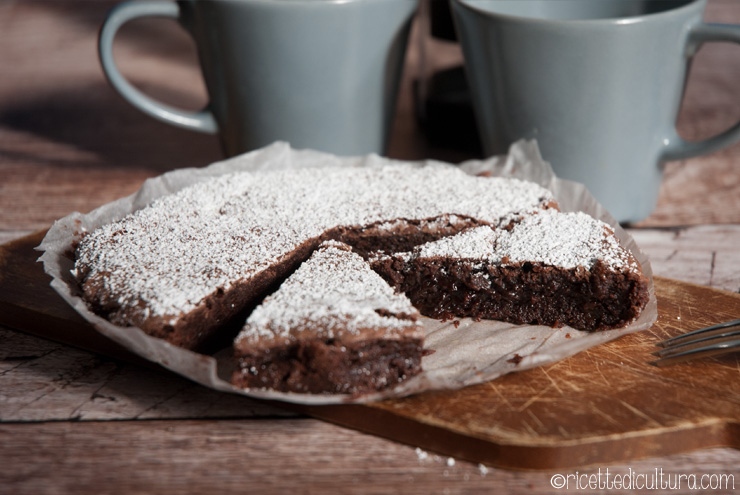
(469, 353)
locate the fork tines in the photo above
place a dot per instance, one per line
(709, 341)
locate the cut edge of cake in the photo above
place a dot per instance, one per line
(333, 326)
(550, 268)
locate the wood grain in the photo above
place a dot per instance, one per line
(241, 456)
(69, 143)
(81, 454)
(706, 255)
(42, 380)
(591, 408)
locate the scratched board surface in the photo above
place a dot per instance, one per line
(605, 404)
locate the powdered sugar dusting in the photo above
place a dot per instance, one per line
(473, 244)
(335, 294)
(565, 240)
(165, 259)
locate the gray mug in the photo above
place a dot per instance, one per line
(320, 74)
(598, 84)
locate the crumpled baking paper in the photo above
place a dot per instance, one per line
(465, 351)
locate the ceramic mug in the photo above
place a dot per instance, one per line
(320, 74)
(597, 83)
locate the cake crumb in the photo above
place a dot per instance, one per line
(516, 359)
(421, 454)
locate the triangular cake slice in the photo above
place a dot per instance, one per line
(551, 268)
(333, 326)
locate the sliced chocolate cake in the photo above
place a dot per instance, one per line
(550, 268)
(334, 326)
(183, 266)
(301, 246)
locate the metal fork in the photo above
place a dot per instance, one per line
(710, 341)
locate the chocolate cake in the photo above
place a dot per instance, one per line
(334, 326)
(550, 268)
(187, 264)
(292, 252)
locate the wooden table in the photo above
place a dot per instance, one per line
(76, 422)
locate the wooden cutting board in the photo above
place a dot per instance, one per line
(603, 405)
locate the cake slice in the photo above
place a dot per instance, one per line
(551, 268)
(334, 326)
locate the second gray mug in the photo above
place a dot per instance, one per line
(598, 83)
(320, 74)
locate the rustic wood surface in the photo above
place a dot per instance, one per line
(587, 410)
(75, 422)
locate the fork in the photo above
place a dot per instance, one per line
(710, 341)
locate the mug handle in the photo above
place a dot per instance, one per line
(676, 148)
(202, 121)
